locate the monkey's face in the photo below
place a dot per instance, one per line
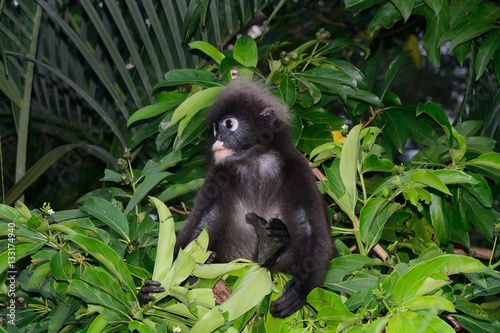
(233, 139)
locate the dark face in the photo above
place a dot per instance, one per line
(234, 139)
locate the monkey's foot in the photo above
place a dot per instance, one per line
(293, 298)
(273, 236)
(150, 286)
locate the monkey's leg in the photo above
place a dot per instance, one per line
(294, 297)
(273, 236)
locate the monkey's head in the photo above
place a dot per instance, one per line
(247, 121)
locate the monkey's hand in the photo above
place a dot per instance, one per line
(150, 286)
(273, 236)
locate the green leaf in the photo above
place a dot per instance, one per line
(196, 126)
(372, 219)
(313, 136)
(392, 73)
(39, 275)
(288, 93)
(139, 327)
(363, 95)
(488, 48)
(430, 303)
(480, 190)
(490, 160)
(435, 29)
(177, 77)
(327, 77)
(208, 49)
(440, 219)
(411, 283)
(349, 165)
(394, 123)
(342, 266)
(335, 45)
(464, 33)
(428, 178)
(104, 211)
(95, 296)
(8, 213)
(109, 258)
(212, 320)
(143, 189)
(405, 7)
(245, 52)
(332, 173)
(469, 308)
(61, 266)
(166, 241)
(156, 109)
(476, 325)
(438, 114)
(101, 279)
(435, 5)
(385, 17)
(175, 190)
(482, 218)
(413, 322)
(373, 163)
(193, 104)
(251, 290)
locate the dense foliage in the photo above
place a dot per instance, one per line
(398, 219)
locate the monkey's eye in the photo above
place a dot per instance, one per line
(231, 124)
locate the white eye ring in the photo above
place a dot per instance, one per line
(230, 123)
(215, 129)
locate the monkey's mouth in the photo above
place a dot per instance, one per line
(220, 152)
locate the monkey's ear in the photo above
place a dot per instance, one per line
(267, 114)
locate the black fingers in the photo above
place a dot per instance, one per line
(277, 229)
(150, 286)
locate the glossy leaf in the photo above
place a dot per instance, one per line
(408, 286)
(488, 48)
(252, 289)
(177, 77)
(208, 49)
(435, 29)
(392, 73)
(482, 218)
(405, 7)
(166, 241)
(212, 320)
(349, 165)
(385, 17)
(156, 109)
(193, 104)
(104, 211)
(143, 189)
(440, 219)
(480, 190)
(109, 258)
(394, 123)
(245, 52)
(95, 296)
(61, 267)
(288, 93)
(101, 279)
